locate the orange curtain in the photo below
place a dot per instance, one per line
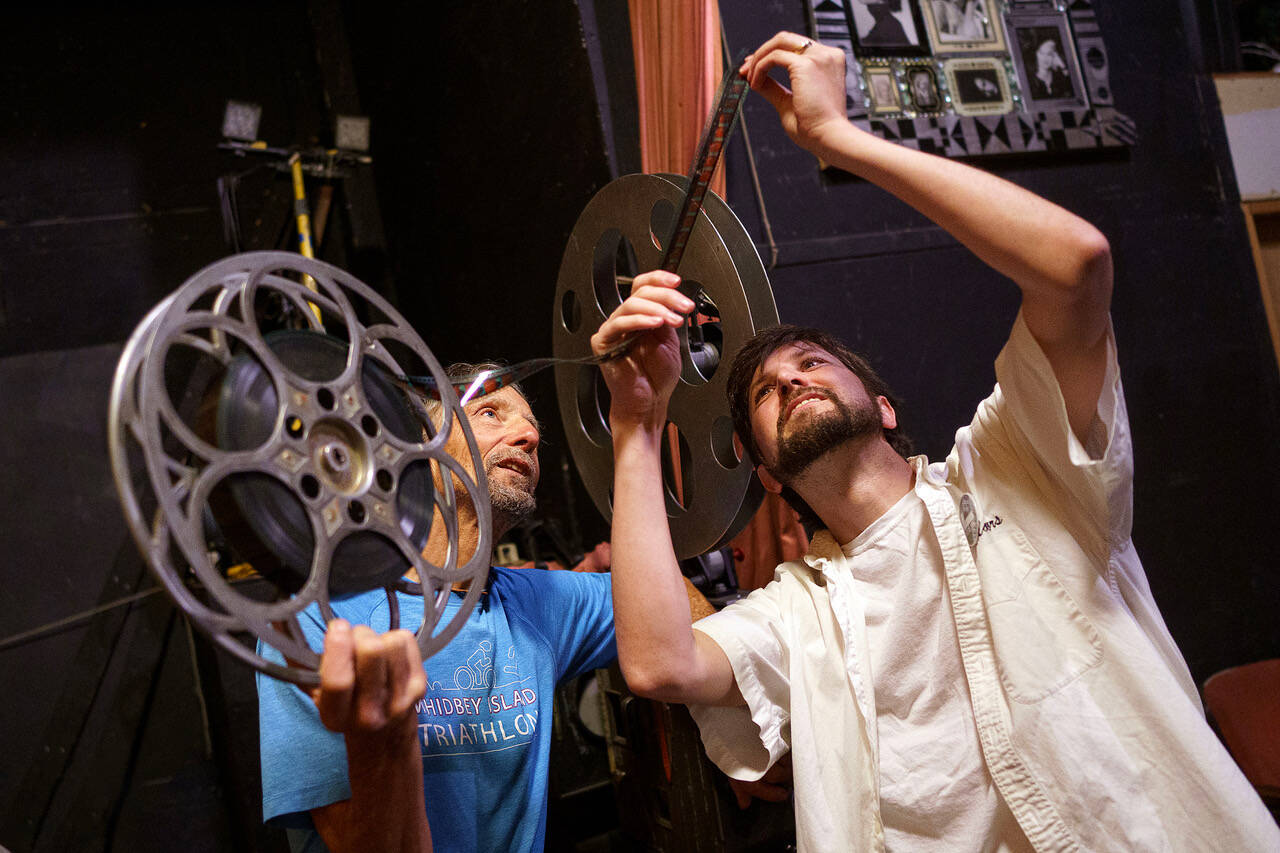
(773, 536)
(678, 67)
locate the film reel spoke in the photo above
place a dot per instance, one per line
(281, 296)
(454, 483)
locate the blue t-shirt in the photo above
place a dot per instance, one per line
(485, 723)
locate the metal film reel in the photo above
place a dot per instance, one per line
(716, 492)
(252, 410)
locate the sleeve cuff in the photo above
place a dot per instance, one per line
(1032, 395)
(744, 741)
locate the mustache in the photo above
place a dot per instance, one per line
(786, 408)
(501, 455)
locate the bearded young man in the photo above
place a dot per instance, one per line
(385, 744)
(969, 658)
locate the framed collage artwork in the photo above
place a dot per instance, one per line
(975, 77)
(979, 86)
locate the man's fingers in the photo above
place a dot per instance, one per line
(653, 302)
(665, 296)
(775, 93)
(779, 772)
(408, 681)
(783, 59)
(634, 316)
(337, 676)
(744, 792)
(367, 680)
(784, 41)
(616, 328)
(371, 697)
(667, 304)
(770, 793)
(657, 278)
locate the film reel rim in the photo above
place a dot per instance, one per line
(132, 411)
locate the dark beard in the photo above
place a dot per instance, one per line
(813, 440)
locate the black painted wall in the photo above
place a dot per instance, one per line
(487, 144)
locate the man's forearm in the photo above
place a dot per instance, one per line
(386, 810)
(1049, 252)
(651, 606)
(660, 654)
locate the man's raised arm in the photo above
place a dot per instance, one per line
(1061, 263)
(368, 686)
(660, 654)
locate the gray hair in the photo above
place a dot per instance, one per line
(461, 370)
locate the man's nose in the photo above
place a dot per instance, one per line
(790, 380)
(525, 436)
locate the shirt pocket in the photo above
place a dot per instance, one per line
(1042, 642)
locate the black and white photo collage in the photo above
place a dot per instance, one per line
(921, 58)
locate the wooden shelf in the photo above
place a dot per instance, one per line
(1263, 221)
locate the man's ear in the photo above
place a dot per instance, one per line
(888, 417)
(768, 481)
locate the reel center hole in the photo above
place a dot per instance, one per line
(335, 458)
(340, 456)
(662, 221)
(593, 405)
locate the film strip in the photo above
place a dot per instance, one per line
(712, 493)
(711, 145)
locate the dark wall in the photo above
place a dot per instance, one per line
(1200, 377)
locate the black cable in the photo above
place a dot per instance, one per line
(751, 164)
(67, 621)
(126, 548)
(135, 747)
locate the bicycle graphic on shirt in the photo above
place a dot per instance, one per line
(477, 672)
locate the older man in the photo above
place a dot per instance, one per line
(969, 658)
(470, 735)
